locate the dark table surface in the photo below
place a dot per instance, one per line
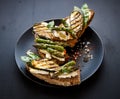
(16, 16)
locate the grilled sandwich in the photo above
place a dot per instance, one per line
(49, 71)
(71, 28)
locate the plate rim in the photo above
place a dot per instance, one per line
(102, 56)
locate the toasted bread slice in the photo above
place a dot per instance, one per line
(62, 80)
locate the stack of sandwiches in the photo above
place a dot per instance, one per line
(51, 63)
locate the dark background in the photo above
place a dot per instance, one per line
(16, 16)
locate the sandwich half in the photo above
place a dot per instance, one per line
(49, 71)
(69, 30)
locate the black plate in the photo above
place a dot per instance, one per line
(26, 41)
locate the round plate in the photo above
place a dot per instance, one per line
(26, 41)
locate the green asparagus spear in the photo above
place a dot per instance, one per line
(70, 63)
(65, 29)
(45, 46)
(85, 11)
(55, 52)
(66, 68)
(40, 40)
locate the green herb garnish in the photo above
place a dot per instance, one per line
(26, 59)
(51, 24)
(64, 23)
(30, 56)
(76, 9)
